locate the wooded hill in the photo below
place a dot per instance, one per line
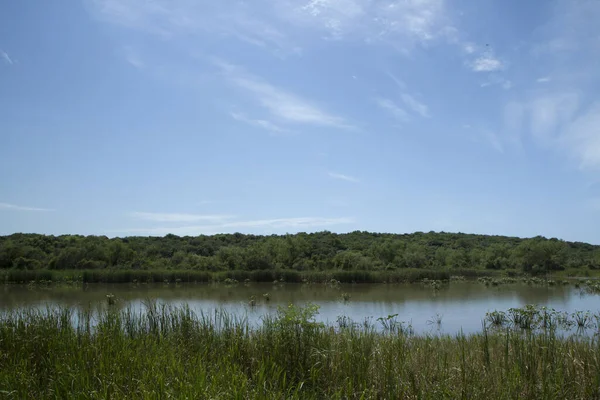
(320, 251)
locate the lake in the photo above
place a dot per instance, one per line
(461, 305)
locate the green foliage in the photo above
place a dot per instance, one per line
(363, 254)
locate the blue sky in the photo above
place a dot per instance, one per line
(139, 117)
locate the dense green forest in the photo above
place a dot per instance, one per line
(322, 251)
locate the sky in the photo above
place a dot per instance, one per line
(148, 117)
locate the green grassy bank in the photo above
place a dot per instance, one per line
(173, 353)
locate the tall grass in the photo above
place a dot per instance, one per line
(164, 352)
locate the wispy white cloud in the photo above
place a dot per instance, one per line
(391, 107)
(343, 177)
(170, 18)
(258, 32)
(564, 112)
(415, 105)
(177, 217)
(281, 104)
(559, 121)
(14, 207)
(407, 21)
(288, 106)
(555, 46)
(280, 24)
(582, 137)
(397, 81)
(495, 79)
(295, 224)
(485, 136)
(486, 62)
(6, 58)
(260, 123)
(307, 222)
(409, 101)
(542, 116)
(493, 139)
(551, 112)
(573, 28)
(133, 58)
(469, 48)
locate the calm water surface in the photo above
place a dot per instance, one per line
(462, 305)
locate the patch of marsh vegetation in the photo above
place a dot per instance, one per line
(534, 318)
(111, 299)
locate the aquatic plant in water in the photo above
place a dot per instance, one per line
(436, 320)
(532, 317)
(392, 325)
(111, 300)
(344, 322)
(523, 318)
(334, 283)
(496, 318)
(582, 319)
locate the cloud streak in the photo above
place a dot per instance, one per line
(170, 18)
(494, 79)
(14, 207)
(415, 105)
(296, 224)
(278, 24)
(493, 140)
(343, 177)
(392, 108)
(559, 121)
(551, 112)
(6, 58)
(562, 111)
(408, 21)
(582, 137)
(259, 123)
(281, 104)
(133, 58)
(177, 217)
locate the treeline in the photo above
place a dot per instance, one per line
(322, 251)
